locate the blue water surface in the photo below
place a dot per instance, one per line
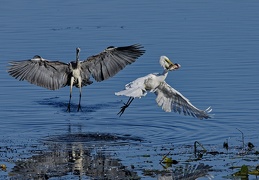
(216, 43)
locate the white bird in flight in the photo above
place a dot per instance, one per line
(166, 96)
(55, 75)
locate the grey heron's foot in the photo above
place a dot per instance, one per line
(68, 108)
(79, 108)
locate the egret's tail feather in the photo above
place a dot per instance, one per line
(132, 92)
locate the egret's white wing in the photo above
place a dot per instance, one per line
(109, 62)
(136, 88)
(169, 99)
(41, 72)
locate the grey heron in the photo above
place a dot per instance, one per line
(54, 75)
(166, 96)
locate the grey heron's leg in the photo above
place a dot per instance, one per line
(68, 106)
(123, 108)
(79, 104)
(70, 96)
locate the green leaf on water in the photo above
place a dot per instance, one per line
(243, 171)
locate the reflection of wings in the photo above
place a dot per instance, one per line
(169, 99)
(41, 72)
(109, 62)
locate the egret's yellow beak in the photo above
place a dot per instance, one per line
(172, 66)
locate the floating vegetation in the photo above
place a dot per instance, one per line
(3, 167)
(167, 161)
(243, 138)
(225, 145)
(106, 155)
(199, 153)
(184, 172)
(245, 171)
(250, 146)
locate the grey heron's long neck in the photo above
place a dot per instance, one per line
(77, 56)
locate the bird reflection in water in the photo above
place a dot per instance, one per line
(74, 155)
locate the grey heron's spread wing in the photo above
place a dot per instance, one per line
(109, 62)
(169, 99)
(41, 72)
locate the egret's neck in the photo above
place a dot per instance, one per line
(164, 75)
(165, 72)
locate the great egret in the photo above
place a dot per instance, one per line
(166, 96)
(54, 74)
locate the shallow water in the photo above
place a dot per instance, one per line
(216, 43)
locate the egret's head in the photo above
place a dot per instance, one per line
(167, 64)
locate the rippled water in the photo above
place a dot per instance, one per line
(216, 43)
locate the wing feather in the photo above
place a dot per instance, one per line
(41, 72)
(170, 99)
(135, 89)
(109, 62)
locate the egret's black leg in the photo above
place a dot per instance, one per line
(123, 108)
(79, 104)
